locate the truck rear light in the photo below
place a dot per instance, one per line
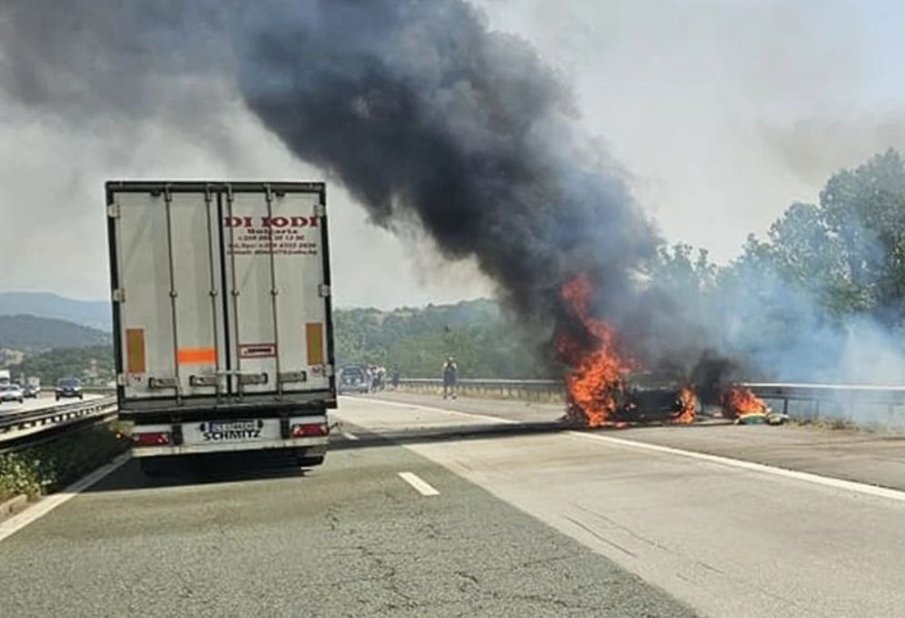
(309, 430)
(154, 438)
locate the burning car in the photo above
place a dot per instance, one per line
(604, 384)
(651, 400)
(639, 400)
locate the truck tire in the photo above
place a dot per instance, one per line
(310, 462)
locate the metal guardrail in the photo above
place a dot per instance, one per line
(847, 399)
(533, 390)
(489, 383)
(19, 428)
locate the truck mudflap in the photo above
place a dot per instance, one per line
(302, 433)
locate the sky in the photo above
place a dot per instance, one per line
(721, 114)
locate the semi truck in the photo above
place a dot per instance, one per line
(223, 336)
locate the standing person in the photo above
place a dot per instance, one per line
(450, 377)
(396, 377)
(375, 378)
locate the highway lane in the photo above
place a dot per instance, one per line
(726, 540)
(352, 538)
(866, 457)
(42, 401)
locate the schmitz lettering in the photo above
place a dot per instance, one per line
(217, 431)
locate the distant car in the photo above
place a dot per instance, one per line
(353, 379)
(69, 388)
(31, 391)
(12, 392)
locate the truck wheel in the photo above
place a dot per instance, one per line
(310, 462)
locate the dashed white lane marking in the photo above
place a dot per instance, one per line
(419, 484)
(807, 477)
(46, 505)
(350, 436)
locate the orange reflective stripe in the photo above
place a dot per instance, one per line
(135, 350)
(314, 333)
(197, 356)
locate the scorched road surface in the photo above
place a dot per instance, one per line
(351, 538)
(727, 539)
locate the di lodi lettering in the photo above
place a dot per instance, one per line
(276, 222)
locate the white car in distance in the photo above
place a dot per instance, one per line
(11, 392)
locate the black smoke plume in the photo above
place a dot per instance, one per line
(420, 110)
(415, 106)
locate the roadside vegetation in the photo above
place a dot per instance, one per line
(50, 466)
(822, 296)
(484, 340)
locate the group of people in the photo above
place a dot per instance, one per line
(379, 378)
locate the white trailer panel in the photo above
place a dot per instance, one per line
(221, 294)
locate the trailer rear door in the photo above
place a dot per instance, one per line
(221, 293)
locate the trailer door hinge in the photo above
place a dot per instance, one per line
(323, 290)
(113, 210)
(119, 295)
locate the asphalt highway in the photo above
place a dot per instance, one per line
(476, 508)
(351, 538)
(725, 536)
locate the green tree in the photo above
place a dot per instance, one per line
(865, 209)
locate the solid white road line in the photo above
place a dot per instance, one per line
(350, 436)
(421, 486)
(807, 477)
(46, 505)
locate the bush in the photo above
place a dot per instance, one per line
(18, 475)
(53, 465)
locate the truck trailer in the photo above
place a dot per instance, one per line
(223, 335)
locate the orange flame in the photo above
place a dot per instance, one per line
(597, 369)
(739, 401)
(689, 406)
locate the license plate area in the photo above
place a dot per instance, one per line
(232, 431)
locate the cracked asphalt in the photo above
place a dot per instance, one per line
(350, 538)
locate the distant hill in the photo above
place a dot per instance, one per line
(28, 332)
(90, 313)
